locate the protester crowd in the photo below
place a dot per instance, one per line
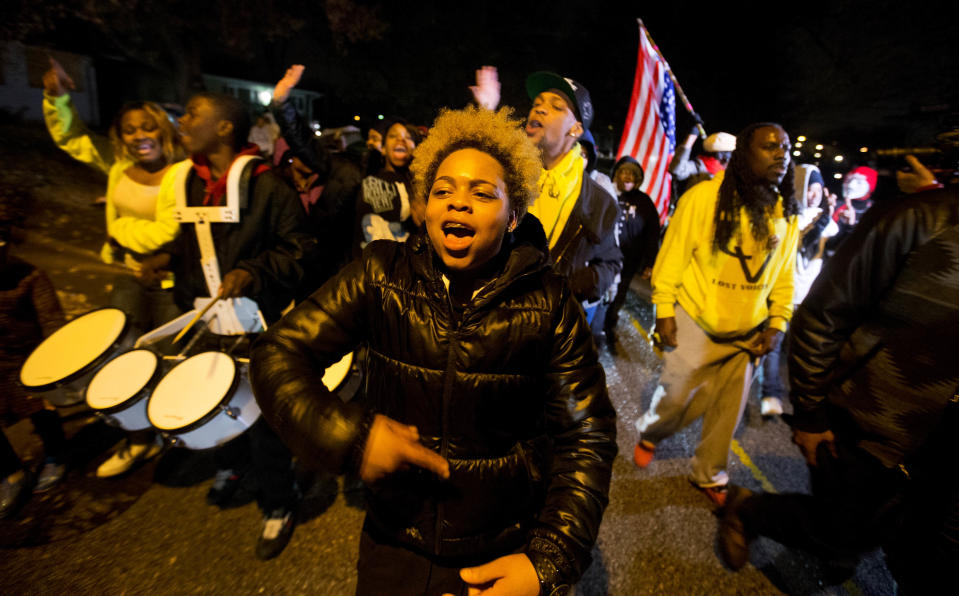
(476, 270)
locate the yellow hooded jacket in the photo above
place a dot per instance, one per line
(733, 291)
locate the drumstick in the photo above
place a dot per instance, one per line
(193, 321)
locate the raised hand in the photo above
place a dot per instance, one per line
(919, 177)
(290, 80)
(56, 81)
(486, 91)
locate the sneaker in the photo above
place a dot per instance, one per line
(128, 455)
(716, 493)
(50, 475)
(225, 485)
(13, 494)
(643, 453)
(733, 538)
(771, 406)
(276, 533)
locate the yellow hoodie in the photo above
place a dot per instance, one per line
(133, 233)
(726, 293)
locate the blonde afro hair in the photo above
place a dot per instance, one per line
(493, 133)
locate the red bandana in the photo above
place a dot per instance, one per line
(215, 189)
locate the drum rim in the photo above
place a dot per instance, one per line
(214, 411)
(92, 365)
(139, 395)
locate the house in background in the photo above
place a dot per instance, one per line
(258, 95)
(21, 81)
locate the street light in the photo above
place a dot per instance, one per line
(800, 138)
(818, 147)
(838, 158)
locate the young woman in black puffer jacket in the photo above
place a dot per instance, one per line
(489, 448)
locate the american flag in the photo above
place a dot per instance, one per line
(649, 135)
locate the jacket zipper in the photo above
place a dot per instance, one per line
(447, 395)
(569, 244)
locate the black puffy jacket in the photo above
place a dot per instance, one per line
(510, 392)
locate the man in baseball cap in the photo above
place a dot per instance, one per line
(578, 216)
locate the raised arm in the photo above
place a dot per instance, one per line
(64, 124)
(298, 135)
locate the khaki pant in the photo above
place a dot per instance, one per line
(701, 378)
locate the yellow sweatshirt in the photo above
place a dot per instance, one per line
(726, 293)
(133, 233)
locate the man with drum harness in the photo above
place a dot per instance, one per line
(241, 219)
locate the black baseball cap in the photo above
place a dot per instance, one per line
(543, 80)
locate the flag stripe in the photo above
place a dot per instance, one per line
(649, 133)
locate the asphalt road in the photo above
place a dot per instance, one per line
(151, 531)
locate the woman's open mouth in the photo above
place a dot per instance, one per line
(457, 236)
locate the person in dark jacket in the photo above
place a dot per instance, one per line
(578, 216)
(262, 254)
(874, 373)
(339, 173)
(638, 236)
(489, 445)
(383, 207)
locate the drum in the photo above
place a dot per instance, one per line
(204, 401)
(119, 391)
(68, 358)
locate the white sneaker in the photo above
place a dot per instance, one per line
(771, 406)
(127, 456)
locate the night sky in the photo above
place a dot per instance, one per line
(877, 73)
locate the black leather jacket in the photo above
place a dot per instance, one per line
(874, 353)
(509, 390)
(587, 252)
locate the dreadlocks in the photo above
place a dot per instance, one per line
(743, 189)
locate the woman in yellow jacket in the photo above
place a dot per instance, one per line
(143, 145)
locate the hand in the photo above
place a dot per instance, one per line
(809, 442)
(920, 176)
(56, 81)
(831, 199)
(512, 575)
(153, 269)
(392, 447)
(848, 215)
(647, 273)
(666, 329)
(486, 91)
(765, 342)
(290, 80)
(234, 283)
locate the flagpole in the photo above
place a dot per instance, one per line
(679, 89)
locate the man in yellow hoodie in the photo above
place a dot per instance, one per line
(722, 286)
